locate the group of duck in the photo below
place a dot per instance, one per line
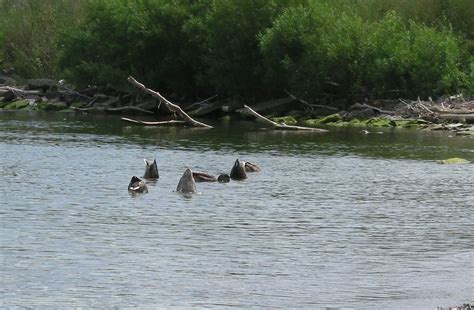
(187, 183)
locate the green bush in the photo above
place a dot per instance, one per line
(176, 46)
(437, 13)
(316, 49)
(319, 50)
(229, 31)
(29, 33)
(415, 60)
(141, 38)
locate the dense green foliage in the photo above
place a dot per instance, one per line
(229, 38)
(318, 49)
(121, 37)
(174, 45)
(436, 13)
(29, 31)
(252, 49)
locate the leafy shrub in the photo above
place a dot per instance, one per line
(141, 38)
(309, 50)
(415, 59)
(316, 49)
(175, 46)
(229, 34)
(435, 13)
(29, 33)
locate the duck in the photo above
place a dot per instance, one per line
(206, 177)
(203, 177)
(151, 169)
(137, 185)
(187, 183)
(223, 178)
(238, 171)
(249, 167)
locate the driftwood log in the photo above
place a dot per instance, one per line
(310, 105)
(198, 105)
(272, 105)
(11, 93)
(6, 89)
(113, 110)
(361, 106)
(451, 111)
(171, 106)
(465, 118)
(206, 109)
(281, 126)
(145, 123)
(460, 111)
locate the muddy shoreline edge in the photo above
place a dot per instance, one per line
(454, 113)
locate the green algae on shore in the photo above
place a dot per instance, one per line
(453, 161)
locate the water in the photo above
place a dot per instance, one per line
(342, 219)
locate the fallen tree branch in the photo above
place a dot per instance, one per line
(172, 107)
(273, 104)
(127, 109)
(309, 104)
(13, 89)
(280, 126)
(91, 102)
(358, 106)
(451, 111)
(171, 122)
(469, 118)
(191, 106)
(424, 107)
(206, 109)
(113, 110)
(71, 91)
(10, 93)
(150, 105)
(408, 105)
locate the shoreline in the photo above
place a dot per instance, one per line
(454, 113)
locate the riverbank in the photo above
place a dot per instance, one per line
(453, 113)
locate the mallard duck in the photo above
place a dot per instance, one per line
(249, 167)
(186, 183)
(151, 169)
(223, 178)
(238, 170)
(137, 185)
(203, 177)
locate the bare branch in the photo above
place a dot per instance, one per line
(309, 104)
(171, 106)
(171, 122)
(281, 126)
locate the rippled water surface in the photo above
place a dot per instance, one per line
(341, 219)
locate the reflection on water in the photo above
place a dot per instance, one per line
(334, 220)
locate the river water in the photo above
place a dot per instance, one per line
(341, 219)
